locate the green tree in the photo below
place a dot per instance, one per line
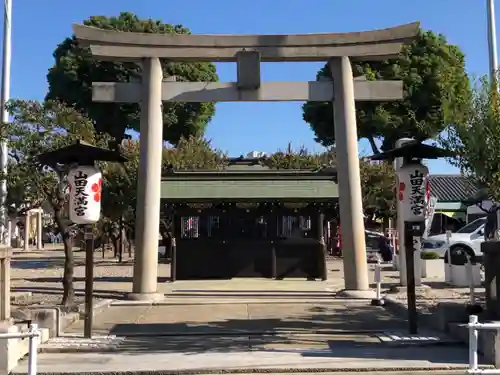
(378, 182)
(476, 141)
(70, 81)
(120, 181)
(436, 93)
(37, 128)
(299, 159)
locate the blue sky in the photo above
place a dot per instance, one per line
(38, 26)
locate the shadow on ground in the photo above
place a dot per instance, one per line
(98, 293)
(320, 331)
(108, 279)
(58, 262)
(314, 346)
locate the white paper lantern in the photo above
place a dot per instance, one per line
(413, 191)
(85, 186)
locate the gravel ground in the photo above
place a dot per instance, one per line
(40, 273)
(436, 291)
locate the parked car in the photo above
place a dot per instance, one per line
(467, 238)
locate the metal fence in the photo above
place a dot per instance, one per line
(474, 327)
(34, 337)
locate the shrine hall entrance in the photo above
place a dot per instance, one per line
(249, 222)
(244, 244)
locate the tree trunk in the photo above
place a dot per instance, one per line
(128, 236)
(69, 264)
(115, 245)
(373, 145)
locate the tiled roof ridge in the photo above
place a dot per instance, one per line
(452, 187)
(447, 175)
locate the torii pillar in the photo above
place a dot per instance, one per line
(247, 51)
(349, 181)
(147, 224)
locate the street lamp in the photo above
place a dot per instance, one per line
(85, 184)
(413, 193)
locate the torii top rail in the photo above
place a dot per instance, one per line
(366, 45)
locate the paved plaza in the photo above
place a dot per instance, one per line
(253, 337)
(240, 325)
(299, 335)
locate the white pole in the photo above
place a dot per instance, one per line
(6, 61)
(378, 279)
(473, 338)
(470, 276)
(492, 40)
(33, 349)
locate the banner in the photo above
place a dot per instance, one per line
(431, 209)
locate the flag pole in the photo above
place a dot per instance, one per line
(492, 40)
(4, 98)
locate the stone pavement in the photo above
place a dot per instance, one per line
(234, 318)
(348, 359)
(343, 335)
(241, 325)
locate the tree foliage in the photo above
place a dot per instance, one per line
(38, 128)
(436, 93)
(476, 141)
(299, 159)
(378, 181)
(70, 81)
(120, 180)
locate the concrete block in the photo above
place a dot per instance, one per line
(99, 307)
(8, 348)
(450, 312)
(432, 268)
(12, 350)
(48, 319)
(66, 320)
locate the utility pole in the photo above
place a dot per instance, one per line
(5, 96)
(492, 40)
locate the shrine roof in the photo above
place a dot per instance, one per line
(250, 183)
(253, 169)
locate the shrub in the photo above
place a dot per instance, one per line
(429, 255)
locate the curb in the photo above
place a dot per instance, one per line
(99, 307)
(339, 371)
(332, 300)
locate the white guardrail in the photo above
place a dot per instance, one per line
(34, 338)
(474, 327)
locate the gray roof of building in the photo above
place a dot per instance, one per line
(451, 187)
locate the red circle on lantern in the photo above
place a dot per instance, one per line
(97, 197)
(402, 186)
(401, 196)
(95, 188)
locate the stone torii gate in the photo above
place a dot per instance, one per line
(248, 51)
